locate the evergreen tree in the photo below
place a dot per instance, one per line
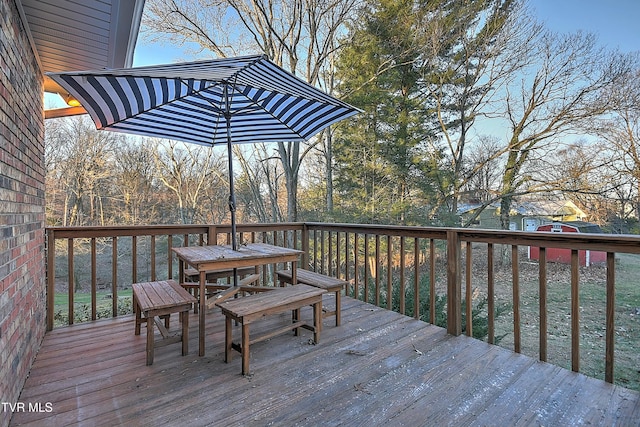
(376, 159)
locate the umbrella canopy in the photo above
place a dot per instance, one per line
(222, 101)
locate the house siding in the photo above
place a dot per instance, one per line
(22, 213)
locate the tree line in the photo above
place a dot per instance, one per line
(463, 102)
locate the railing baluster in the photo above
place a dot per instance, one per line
(542, 280)
(432, 281)
(491, 304)
(315, 250)
(468, 293)
(114, 276)
(338, 263)
(94, 275)
(366, 268)
(610, 316)
(169, 256)
(356, 276)
(377, 270)
(575, 312)
(153, 258)
(346, 261)
(416, 278)
(322, 252)
(72, 287)
(331, 271)
(402, 284)
(134, 259)
(515, 275)
(389, 273)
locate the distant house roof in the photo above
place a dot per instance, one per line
(470, 207)
(549, 208)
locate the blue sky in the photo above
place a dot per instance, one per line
(615, 22)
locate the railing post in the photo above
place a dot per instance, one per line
(51, 268)
(454, 312)
(212, 235)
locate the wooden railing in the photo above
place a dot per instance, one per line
(403, 268)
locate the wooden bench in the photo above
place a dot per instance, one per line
(311, 278)
(160, 299)
(248, 309)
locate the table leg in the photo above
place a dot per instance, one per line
(136, 309)
(180, 270)
(294, 272)
(245, 349)
(202, 301)
(150, 325)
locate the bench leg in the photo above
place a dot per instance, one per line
(166, 318)
(227, 339)
(184, 318)
(136, 309)
(338, 307)
(295, 316)
(317, 321)
(245, 349)
(150, 326)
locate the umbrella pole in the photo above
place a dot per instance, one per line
(232, 200)
(232, 193)
(232, 209)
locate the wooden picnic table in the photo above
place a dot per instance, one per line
(219, 257)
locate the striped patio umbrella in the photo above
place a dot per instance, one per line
(223, 101)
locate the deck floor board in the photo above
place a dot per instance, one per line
(378, 369)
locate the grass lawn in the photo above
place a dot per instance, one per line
(82, 306)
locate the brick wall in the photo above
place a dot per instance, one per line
(22, 256)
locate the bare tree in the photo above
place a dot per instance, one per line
(620, 129)
(561, 92)
(259, 186)
(295, 34)
(78, 158)
(134, 183)
(482, 168)
(189, 172)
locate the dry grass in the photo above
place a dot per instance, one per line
(592, 298)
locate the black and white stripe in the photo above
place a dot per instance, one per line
(186, 101)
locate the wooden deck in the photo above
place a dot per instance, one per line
(378, 368)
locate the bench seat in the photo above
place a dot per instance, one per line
(248, 309)
(311, 278)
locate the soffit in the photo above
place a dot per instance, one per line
(71, 35)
